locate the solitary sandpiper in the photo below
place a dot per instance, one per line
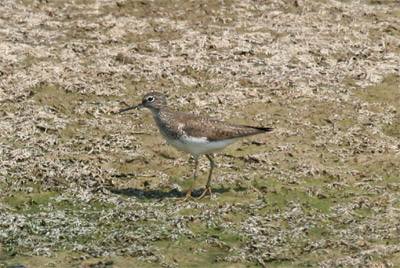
(194, 134)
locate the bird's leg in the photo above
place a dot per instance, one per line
(208, 188)
(189, 192)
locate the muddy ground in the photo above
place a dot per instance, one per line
(82, 186)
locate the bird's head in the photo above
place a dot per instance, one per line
(153, 101)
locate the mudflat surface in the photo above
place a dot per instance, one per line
(82, 186)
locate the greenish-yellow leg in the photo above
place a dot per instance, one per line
(208, 188)
(189, 192)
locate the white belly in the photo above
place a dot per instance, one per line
(198, 146)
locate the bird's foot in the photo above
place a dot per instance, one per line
(182, 199)
(206, 190)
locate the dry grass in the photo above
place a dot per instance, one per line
(81, 186)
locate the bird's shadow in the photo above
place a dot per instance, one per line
(157, 194)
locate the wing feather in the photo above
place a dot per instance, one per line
(215, 130)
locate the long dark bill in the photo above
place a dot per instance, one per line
(130, 108)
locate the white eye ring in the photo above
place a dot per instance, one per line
(150, 98)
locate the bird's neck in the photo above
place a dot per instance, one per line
(157, 112)
(160, 114)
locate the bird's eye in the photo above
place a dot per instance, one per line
(150, 99)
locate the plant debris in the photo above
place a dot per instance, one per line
(82, 186)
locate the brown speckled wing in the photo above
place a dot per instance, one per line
(214, 130)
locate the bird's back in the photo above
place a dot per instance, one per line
(176, 124)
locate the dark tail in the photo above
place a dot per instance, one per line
(263, 129)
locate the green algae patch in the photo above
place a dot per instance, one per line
(386, 92)
(30, 203)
